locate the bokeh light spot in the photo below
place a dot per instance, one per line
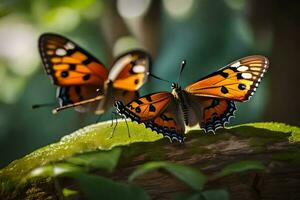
(124, 44)
(132, 8)
(18, 46)
(62, 19)
(179, 8)
(236, 4)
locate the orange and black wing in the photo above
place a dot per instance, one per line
(130, 70)
(75, 93)
(77, 73)
(68, 64)
(215, 113)
(156, 111)
(237, 81)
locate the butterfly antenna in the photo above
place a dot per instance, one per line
(158, 78)
(35, 106)
(183, 63)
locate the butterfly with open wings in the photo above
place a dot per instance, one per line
(83, 81)
(208, 102)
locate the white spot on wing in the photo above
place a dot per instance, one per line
(69, 45)
(138, 69)
(242, 68)
(118, 67)
(246, 75)
(236, 64)
(60, 52)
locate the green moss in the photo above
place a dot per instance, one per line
(265, 129)
(209, 138)
(262, 134)
(145, 150)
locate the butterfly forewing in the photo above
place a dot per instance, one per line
(237, 81)
(130, 70)
(68, 64)
(149, 106)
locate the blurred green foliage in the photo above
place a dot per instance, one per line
(209, 35)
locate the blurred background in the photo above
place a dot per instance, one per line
(209, 34)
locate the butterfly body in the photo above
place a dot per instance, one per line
(208, 102)
(83, 81)
(186, 105)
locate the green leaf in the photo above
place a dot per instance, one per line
(96, 187)
(190, 176)
(106, 160)
(67, 192)
(77, 4)
(218, 194)
(241, 166)
(54, 170)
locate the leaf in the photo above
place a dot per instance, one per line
(76, 4)
(218, 194)
(106, 160)
(240, 166)
(54, 170)
(96, 187)
(67, 192)
(190, 176)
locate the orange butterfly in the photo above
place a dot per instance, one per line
(208, 102)
(83, 81)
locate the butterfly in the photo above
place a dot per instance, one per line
(208, 102)
(83, 81)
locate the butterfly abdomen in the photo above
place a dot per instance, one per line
(187, 111)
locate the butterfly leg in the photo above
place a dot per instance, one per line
(128, 132)
(99, 118)
(116, 124)
(113, 116)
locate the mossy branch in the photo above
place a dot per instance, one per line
(271, 143)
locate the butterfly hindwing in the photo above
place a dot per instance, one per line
(156, 111)
(216, 113)
(68, 64)
(237, 81)
(130, 70)
(76, 93)
(168, 124)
